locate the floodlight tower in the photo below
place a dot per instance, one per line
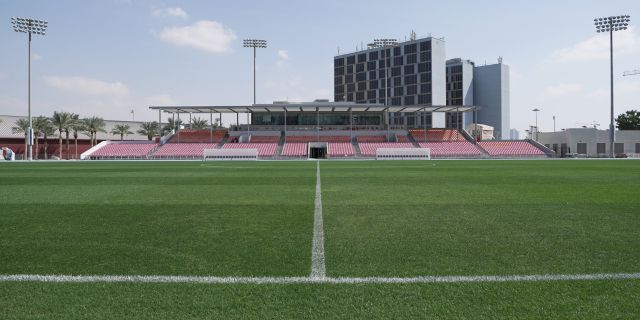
(536, 111)
(29, 26)
(253, 43)
(611, 24)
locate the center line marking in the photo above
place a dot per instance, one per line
(318, 270)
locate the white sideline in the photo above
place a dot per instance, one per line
(312, 280)
(318, 270)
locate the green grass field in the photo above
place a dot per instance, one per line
(381, 219)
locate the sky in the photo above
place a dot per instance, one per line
(108, 57)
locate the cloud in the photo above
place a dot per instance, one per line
(86, 85)
(159, 100)
(283, 56)
(597, 47)
(210, 36)
(170, 12)
(561, 90)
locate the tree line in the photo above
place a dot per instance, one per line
(66, 125)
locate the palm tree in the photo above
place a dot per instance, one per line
(39, 125)
(62, 121)
(92, 126)
(67, 129)
(22, 126)
(171, 126)
(199, 124)
(148, 129)
(48, 130)
(77, 126)
(121, 129)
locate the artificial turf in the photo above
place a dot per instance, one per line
(388, 218)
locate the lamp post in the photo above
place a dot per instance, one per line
(611, 24)
(554, 123)
(536, 111)
(29, 26)
(253, 43)
(386, 44)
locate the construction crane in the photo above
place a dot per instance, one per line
(631, 73)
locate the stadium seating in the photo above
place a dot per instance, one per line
(318, 139)
(201, 136)
(511, 148)
(340, 149)
(294, 150)
(402, 138)
(124, 151)
(264, 149)
(183, 150)
(265, 139)
(436, 135)
(451, 149)
(369, 149)
(361, 139)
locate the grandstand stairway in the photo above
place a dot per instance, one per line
(356, 147)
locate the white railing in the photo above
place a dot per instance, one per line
(403, 154)
(85, 155)
(229, 154)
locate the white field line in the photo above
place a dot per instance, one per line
(318, 270)
(312, 280)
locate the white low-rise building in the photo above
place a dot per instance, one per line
(591, 142)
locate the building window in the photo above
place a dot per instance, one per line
(637, 147)
(351, 87)
(381, 73)
(372, 75)
(348, 78)
(410, 79)
(425, 77)
(338, 80)
(360, 67)
(601, 148)
(339, 89)
(412, 90)
(338, 97)
(398, 61)
(349, 96)
(359, 96)
(339, 71)
(371, 94)
(362, 86)
(395, 71)
(381, 93)
(397, 51)
(425, 88)
(397, 81)
(582, 148)
(383, 83)
(349, 69)
(412, 58)
(373, 84)
(373, 55)
(424, 99)
(619, 148)
(425, 56)
(425, 46)
(339, 62)
(410, 69)
(398, 91)
(371, 65)
(361, 76)
(424, 67)
(362, 57)
(351, 60)
(396, 101)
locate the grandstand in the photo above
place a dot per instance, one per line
(318, 130)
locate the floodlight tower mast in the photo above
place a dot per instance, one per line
(29, 26)
(253, 43)
(611, 24)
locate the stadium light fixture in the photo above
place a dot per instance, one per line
(253, 43)
(537, 130)
(29, 26)
(611, 24)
